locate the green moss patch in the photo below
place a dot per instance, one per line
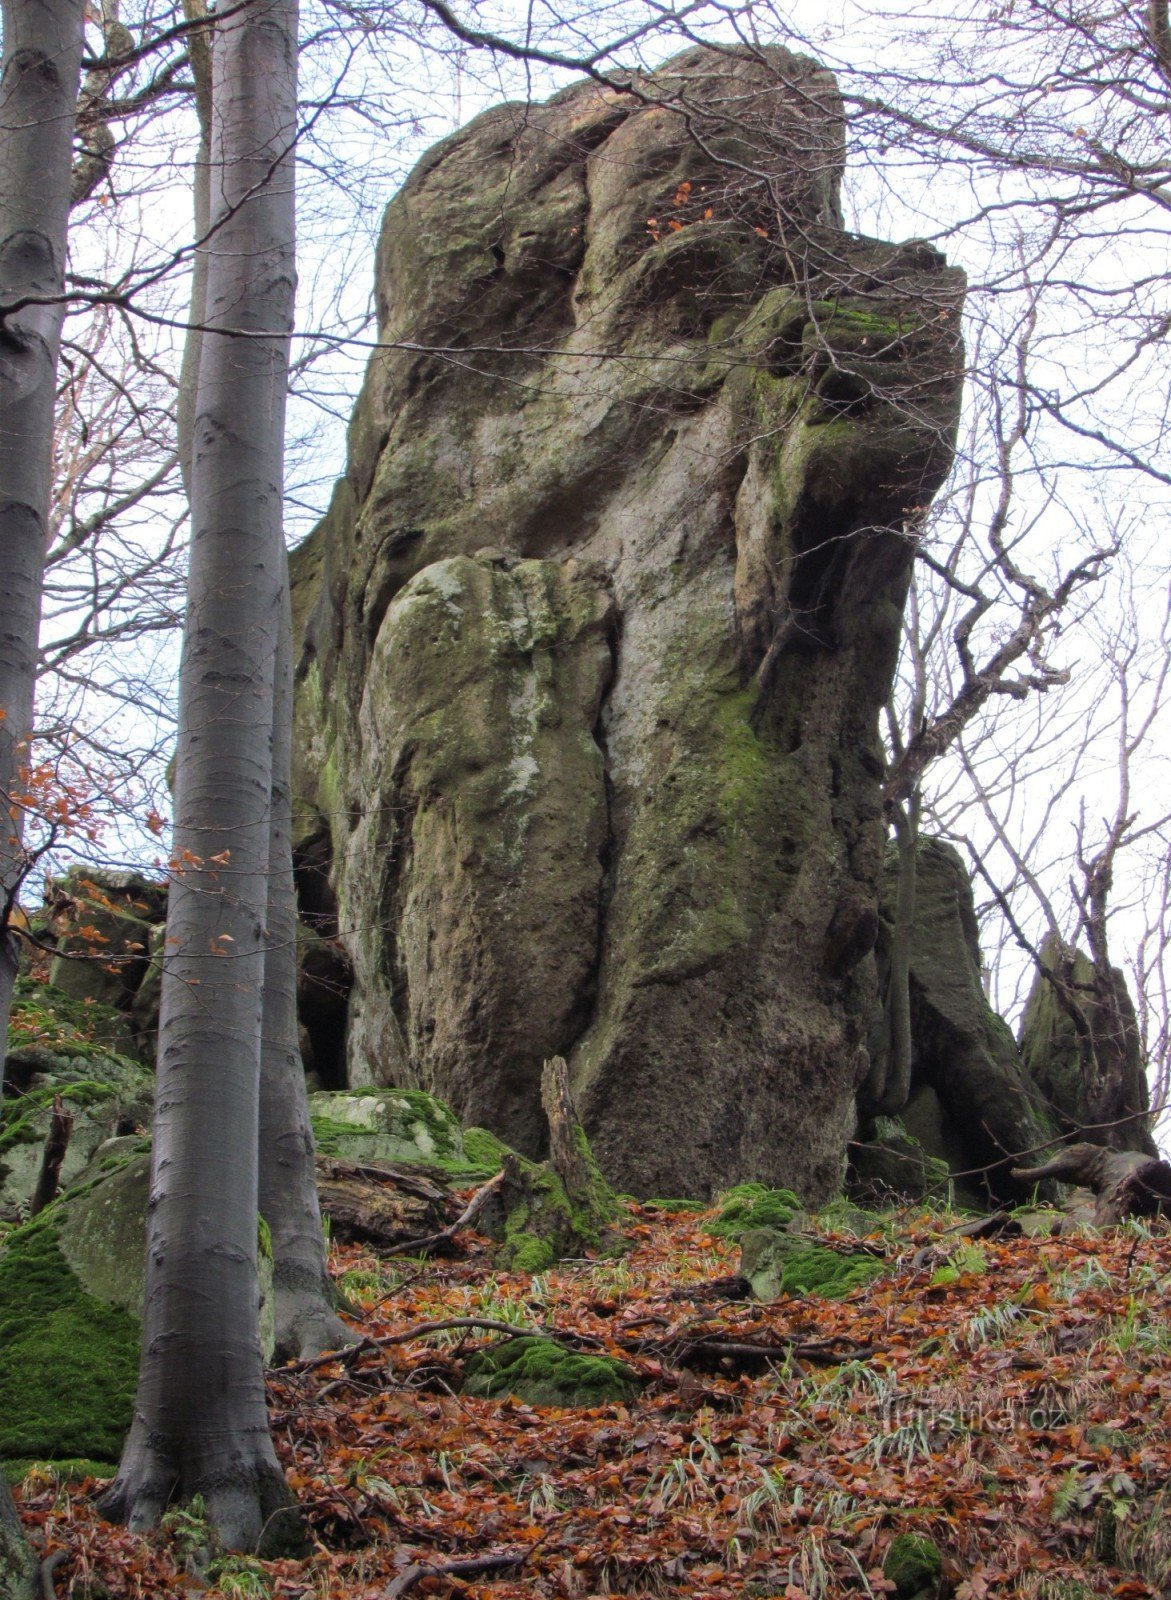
(752, 1205)
(913, 1564)
(44, 1018)
(68, 1362)
(778, 1264)
(542, 1373)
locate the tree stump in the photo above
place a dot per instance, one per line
(386, 1206)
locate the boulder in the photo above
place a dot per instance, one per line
(385, 1125)
(71, 1286)
(539, 1372)
(52, 1054)
(1054, 1056)
(972, 1106)
(594, 636)
(103, 923)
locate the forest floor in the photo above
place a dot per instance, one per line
(1012, 1404)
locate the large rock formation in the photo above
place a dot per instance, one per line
(595, 633)
(972, 1106)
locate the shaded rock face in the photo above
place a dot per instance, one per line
(596, 630)
(972, 1103)
(1100, 1093)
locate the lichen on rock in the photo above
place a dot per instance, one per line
(594, 636)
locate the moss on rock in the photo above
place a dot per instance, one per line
(68, 1360)
(106, 1093)
(753, 1205)
(778, 1264)
(914, 1565)
(385, 1125)
(540, 1372)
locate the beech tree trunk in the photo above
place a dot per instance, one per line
(200, 1423)
(41, 70)
(305, 1318)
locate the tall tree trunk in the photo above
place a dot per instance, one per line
(199, 55)
(200, 1423)
(305, 1319)
(41, 70)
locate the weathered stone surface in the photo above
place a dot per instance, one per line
(385, 1125)
(972, 1105)
(596, 630)
(54, 1051)
(1053, 1056)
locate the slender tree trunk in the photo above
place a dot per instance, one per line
(305, 1319)
(199, 55)
(41, 71)
(200, 1423)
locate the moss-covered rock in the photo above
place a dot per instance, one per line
(55, 1053)
(752, 1205)
(892, 1164)
(104, 920)
(577, 801)
(540, 1372)
(68, 1358)
(778, 1264)
(71, 1288)
(914, 1565)
(386, 1125)
(971, 1104)
(1055, 1060)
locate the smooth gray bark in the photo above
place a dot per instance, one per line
(305, 1319)
(41, 70)
(200, 1423)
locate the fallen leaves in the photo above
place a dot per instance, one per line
(774, 1450)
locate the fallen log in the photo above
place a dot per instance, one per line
(1126, 1183)
(388, 1207)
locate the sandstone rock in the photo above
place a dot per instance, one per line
(55, 1050)
(972, 1105)
(1053, 1056)
(385, 1125)
(597, 628)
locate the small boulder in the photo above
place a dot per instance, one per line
(915, 1567)
(539, 1372)
(778, 1264)
(385, 1125)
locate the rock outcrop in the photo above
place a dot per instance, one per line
(1086, 1057)
(972, 1108)
(595, 633)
